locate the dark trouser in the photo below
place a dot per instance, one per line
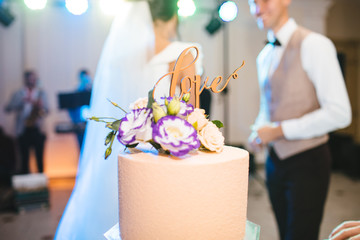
(31, 138)
(298, 188)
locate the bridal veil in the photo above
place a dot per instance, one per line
(93, 206)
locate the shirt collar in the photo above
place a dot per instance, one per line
(285, 32)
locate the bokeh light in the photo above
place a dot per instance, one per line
(228, 11)
(187, 8)
(35, 4)
(77, 7)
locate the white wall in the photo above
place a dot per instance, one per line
(57, 44)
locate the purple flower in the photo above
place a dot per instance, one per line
(175, 135)
(135, 127)
(185, 108)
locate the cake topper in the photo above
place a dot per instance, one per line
(195, 81)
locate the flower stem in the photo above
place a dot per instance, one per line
(116, 105)
(100, 119)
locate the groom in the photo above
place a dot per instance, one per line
(303, 98)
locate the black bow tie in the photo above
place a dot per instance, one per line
(275, 43)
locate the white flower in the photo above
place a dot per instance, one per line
(197, 118)
(138, 104)
(211, 137)
(175, 135)
(135, 127)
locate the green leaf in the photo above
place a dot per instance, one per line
(218, 123)
(155, 145)
(151, 100)
(132, 145)
(116, 124)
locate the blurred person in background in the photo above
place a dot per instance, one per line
(30, 106)
(85, 83)
(78, 114)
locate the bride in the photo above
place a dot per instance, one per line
(137, 52)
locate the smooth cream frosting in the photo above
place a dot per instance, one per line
(202, 196)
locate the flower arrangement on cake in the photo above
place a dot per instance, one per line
(171, 125)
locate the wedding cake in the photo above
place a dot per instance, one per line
(203, 196)
(188, 185)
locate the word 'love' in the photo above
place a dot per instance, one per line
(194, 81)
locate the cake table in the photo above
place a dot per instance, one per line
(252, 232)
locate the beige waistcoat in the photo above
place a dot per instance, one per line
(291, 94)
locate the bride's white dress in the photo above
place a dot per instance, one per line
(93, 206)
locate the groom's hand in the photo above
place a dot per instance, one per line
(270, 132)
(346, 230)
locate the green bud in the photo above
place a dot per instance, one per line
(166, 102)
(174, 107)
(158, 111)
(95, 119)
(186, 97)
(108, 152)
(109, 137)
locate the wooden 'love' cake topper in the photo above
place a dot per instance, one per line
(195, 81)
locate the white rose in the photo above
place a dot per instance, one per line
(198, 116)
(138, 104)
(211, 137)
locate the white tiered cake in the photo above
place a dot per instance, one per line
(201, 196)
